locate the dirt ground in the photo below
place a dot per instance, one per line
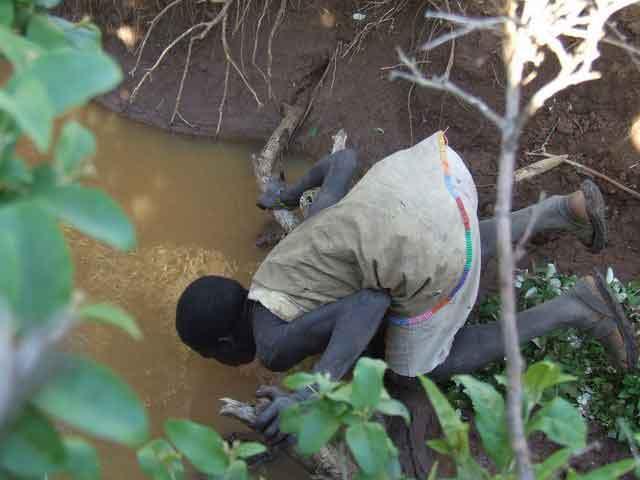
(592, 123)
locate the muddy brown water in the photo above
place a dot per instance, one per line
(193, 204)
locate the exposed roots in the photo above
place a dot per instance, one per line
(199, 31)
(184, 76)
(227, 53)
(148, 34)
(255, 43)
(224, 98)
(382, 13)
(276, 24)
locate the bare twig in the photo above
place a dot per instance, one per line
(595, 173)
(444, 84)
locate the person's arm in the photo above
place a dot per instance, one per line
(340, 331)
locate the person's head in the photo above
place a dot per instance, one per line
(212, 318)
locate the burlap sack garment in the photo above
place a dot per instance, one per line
(410, 227)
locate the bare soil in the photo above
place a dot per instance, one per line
(591, 123)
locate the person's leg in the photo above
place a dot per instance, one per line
(588, 307)
(332, 173)
(581, 212)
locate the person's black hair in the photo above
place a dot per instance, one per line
(209, 309)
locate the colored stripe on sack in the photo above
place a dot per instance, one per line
(448, 181)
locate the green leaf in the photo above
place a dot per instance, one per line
(47, 3)
(318, 426)
(299, 380)
(92, 212)
(250, 449)
(433, 473)
(291, 419)
(32, 447)
(6, 13)
(14, 173)
(29, 105)
(89, 396)
(611, 471)
(368, 444)
(75, 144)
(36, 273)
(342, 394)
(200, 444)
(160, 460)
(367, 382)
(539, 377)
(45, 33)
(393, 407)
(107, 313)
(83, 35)
(72, 77)
(490, 418)
(441, 446)
(18, 50)
(547, 469)
(455, 430)
(82, 459)
(237, 471)
(561, 422)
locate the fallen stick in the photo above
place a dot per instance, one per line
(595, 173)
(326, 464)
(264, 164)
(541, 166)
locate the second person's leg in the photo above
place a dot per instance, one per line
(581, 213)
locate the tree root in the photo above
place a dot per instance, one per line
(276, 24)
(224, 98)
(255, 43)
(227, 53)
(199, 32)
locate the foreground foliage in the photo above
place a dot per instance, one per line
(603, 394)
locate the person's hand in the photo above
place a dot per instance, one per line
(268, 421)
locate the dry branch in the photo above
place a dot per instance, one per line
(595, 173)
(264, 163)
(544, 165)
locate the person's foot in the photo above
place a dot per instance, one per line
(588, 210)
(609, 325)
(275, 198)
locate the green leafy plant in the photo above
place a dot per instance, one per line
(602, 394)
(558, 419)
(55, 66)
(347, 411)
(161, 459)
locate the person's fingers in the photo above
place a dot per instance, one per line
(273, 430)
(269, 391)
(266, 417)
(280, 439)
